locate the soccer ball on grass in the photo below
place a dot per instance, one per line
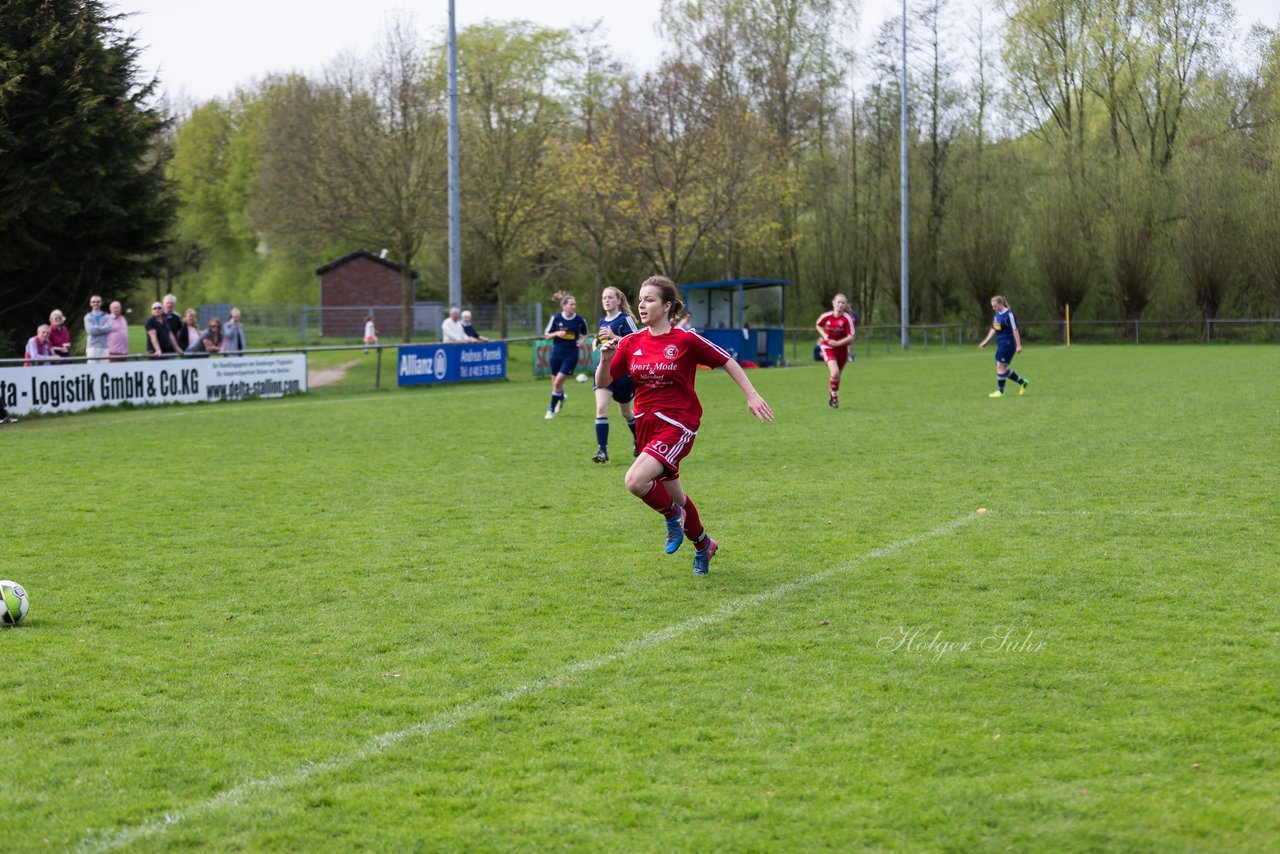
(13, 603)
(582, 378)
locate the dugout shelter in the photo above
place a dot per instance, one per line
(744, 316)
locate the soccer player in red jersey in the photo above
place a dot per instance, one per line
(662, 362)
(835, 336)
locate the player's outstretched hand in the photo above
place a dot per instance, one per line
(759, 408)
(609, 344)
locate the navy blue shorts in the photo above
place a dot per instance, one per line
(1004, 352)
(623, 389)
(564, 364)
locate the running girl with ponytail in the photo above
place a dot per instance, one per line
(617, 323)
(662, 362)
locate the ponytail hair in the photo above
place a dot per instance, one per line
(622, 301)
(667, 289)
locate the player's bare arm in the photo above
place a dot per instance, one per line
(755, 403)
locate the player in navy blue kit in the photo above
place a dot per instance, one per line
(617, 323)
(1008, 343)
(565, 330)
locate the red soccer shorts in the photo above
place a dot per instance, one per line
(840, 354)
(666, 441)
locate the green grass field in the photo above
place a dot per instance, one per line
(424, 620)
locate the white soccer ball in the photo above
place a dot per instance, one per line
(13, 603)
(582, 378)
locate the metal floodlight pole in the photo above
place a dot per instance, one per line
(455, 218)
(906, 289)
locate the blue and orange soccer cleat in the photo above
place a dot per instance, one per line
(675, 532)
(702, 558)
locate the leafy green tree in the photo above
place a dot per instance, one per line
(593, 201)
(513, 80)
(83, 199)
(213, 170)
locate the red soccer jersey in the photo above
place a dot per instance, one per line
(836, 326)
(662, 367)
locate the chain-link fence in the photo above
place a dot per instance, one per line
(887, 339)
(285, 325)
(281, 326)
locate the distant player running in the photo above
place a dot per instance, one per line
(617, 323)
(1008, 343)
(836, 330)
(662, 362)
(565, 329)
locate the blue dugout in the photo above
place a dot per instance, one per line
(743, 316)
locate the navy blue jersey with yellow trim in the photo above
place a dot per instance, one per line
(575, 327)
(1004, 325)
(622, 325)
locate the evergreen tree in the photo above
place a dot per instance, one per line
(83, 200)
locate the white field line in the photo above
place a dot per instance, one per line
(243, 793)
(1137, 513)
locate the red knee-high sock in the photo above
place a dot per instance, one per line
(692, 522)
(659, 499)
(835, 384)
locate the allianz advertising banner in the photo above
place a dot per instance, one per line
(423, 364)
(76, 385)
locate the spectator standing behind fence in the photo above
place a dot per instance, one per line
(171, 317)
(233, 336)
(469, 329)
(451, 331)
(59, 334)
(118, 338)
(190, 333)
(39, 350)
(209, 342)
(97, 327)
(370, 332)
(160, 340)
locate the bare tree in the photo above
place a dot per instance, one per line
(986, 201)
(1211, 238)
(359, 157)
(690, 160)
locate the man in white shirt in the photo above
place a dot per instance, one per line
(451, 331)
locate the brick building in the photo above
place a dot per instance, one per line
(353, 285)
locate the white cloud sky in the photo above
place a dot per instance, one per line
(206, 48)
